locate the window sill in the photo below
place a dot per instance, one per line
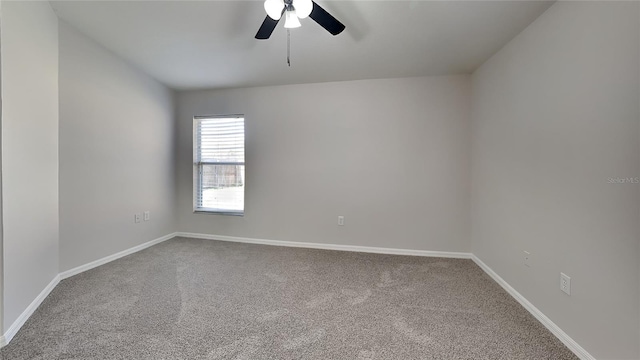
(219, 212)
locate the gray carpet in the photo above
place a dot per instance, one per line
(200, 299)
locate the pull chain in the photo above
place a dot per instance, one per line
(289, 47)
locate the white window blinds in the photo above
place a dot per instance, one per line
(219, 168)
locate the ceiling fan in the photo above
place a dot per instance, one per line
(293, 10)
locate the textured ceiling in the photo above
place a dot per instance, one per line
(210, 44)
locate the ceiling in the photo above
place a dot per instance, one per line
(210, 44)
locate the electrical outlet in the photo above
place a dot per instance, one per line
(565, 283)
(147, 216)
(527, 258)
(341, 220)
(136, 217)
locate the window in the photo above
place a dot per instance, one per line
(218, 164)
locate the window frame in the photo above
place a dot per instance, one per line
(197, 166)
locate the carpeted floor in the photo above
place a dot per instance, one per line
(201, 299)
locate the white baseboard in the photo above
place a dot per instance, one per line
(26, 314)
(364, 249)
(13, 329)
(555, 329)
(110, 258)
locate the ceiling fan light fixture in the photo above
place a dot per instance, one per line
(291, 20)
(293, 11)
(303, 7)
(274, 8)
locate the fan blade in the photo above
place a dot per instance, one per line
(326, 20)
(267, 27)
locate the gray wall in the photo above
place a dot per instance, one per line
(29, 152)
(116, 153)
(392, 156)
(1, 230)
(554, 116)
